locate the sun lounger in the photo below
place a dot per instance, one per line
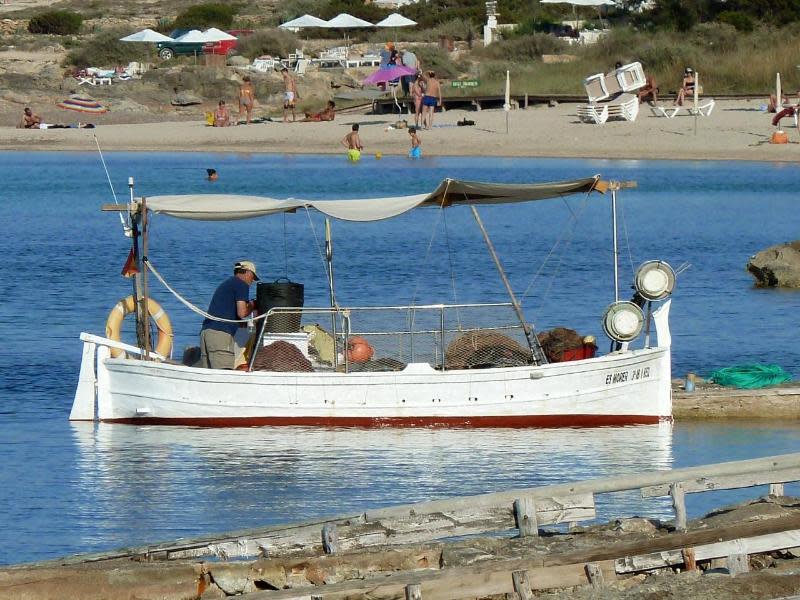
(704, 108)
(623, 107)
(263, 64)
(628, 78)
(665, 111)
(593, 113)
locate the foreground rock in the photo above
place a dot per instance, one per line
(777, 266)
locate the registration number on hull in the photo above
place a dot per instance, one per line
(629, 375)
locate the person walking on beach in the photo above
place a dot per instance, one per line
(247, 98)
(416, 143)
(230, 301)
(353, 144)
(290, 95)
(431, 99)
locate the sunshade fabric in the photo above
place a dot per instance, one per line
(193, 36)
(395, 20)
(222, 207)
(81, 104)
(388, 74)
(217, 35)
(345, 21)
(305, 21)
(146, 35)
(581, 2)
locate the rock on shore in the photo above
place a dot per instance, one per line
(777, 266)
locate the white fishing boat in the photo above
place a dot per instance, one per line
(472, 365)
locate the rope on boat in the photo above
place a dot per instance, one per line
(193, 307)
(750, 376)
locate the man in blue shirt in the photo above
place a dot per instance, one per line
(230, 301)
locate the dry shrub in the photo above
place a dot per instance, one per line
(273, 42)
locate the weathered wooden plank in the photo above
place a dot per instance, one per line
(776, 489)
(525, 517)
(449, 584)
(745, 546)
(398, 530)
(594, 574)
(522, 585)
(413, 591)
(728, 482)
(679, 504)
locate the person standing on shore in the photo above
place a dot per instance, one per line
(247, 98)
(431, 99)
(416, 143)
(353, 144)
(417, 93)
(230, 302)
(409, 59)
(290, 95)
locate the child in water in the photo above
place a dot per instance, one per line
(416, 143)
(353, 144)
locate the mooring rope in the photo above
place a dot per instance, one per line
(191, 306)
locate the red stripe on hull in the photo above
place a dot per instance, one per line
(497, 421)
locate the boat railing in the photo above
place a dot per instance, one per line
(388, 338)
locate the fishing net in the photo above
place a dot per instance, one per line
(561, 344)
(750, 376)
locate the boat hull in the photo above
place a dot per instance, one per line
(628, 387)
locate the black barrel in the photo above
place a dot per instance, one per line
(281, 292)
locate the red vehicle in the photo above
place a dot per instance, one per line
(226, 47)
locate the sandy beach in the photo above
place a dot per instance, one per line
(736, 130)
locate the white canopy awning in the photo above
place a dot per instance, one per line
(303, 22)
(395, 20)
(217, 35)
(193, 36)
(581, 2)
(347, 21)
(146, 35)
(231, 207)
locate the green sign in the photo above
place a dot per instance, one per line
(465, 83)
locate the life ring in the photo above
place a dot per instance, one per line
(125, 307)
(359, 350)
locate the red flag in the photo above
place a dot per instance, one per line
(130, 269)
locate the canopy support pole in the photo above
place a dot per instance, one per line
(533, 341)
(331, 289)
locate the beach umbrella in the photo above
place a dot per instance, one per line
(576, 3)
(217, 35)
(346, 21)
(394, 21)
(389, 74)
(82, 104)
(304, 22)
(146, 35)
(193, 36)
(778, 97)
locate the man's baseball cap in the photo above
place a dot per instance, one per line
(247, 265)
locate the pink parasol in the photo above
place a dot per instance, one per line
(389, 74)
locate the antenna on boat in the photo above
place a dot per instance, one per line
(533, 342)
(125, 226)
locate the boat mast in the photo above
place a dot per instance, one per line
(614, 237)
(533, 341)
(138, 213)
(329, 260)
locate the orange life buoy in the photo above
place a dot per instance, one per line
(125, 307)
(779, 137)
(359, 350)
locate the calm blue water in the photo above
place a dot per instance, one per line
(73, 488)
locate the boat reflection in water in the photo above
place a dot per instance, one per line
(146, 484)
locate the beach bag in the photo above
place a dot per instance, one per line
(210, 119)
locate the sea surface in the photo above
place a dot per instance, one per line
(69, 488)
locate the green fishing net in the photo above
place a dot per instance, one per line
(750, 376)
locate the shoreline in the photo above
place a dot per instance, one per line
(736, 130)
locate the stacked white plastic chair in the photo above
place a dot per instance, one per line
(610, 95)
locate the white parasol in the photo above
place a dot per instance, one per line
(217, 35)
(395, 20)
(195, 36)
(146, 35)
(304, 22)
(346, 21)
